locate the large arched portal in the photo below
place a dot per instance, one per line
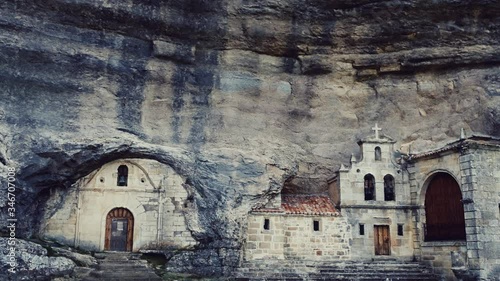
(119, 230)
(444, 211)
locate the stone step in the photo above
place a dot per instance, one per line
(341, 278)
(120, 267)
(124, 278)
(339, 270)
(116, 266)
(395, 275)
(346, 270)
(369, 269)
(149, 277)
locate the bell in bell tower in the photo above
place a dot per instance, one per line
(122, 175)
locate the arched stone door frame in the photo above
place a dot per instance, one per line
(423, 194)
(121, 214)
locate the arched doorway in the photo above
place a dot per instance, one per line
(444, 211)
(119, 230)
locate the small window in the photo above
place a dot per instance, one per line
(400, 230)
(361, 229)
(315, 225)
(122, 176)
(378, 154)
(267, 224)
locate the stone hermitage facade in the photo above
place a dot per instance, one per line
(440, 208)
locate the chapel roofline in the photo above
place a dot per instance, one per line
(381, 139)
(458, 145)
(302, 204)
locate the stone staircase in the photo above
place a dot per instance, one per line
(378, 270)
(121, 266)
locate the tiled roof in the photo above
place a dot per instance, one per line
(317, 204)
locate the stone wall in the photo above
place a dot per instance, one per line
(483, 213)
(330, 242)
(363, 245)
(420, 174)
(367, 214)
(476, 171)
(294, 237)
(262, 243)
(154, 195)
(439, 255)
(352, 180)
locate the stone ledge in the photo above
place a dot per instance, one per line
(444, 243)
(396, 207)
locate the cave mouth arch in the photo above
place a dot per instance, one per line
(444, 211)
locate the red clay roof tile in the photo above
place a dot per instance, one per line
(317, 204)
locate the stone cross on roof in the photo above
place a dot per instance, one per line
(376, 129)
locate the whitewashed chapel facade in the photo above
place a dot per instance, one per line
(126, 205)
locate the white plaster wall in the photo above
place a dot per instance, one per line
(154, 195)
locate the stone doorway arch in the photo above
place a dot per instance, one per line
(119, 230)
(444, 211)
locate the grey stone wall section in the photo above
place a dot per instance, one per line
(483, 224)
(471, 213)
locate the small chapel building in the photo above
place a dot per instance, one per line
(440, 207)
(126, 205)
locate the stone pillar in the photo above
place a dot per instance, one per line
(416, 213)
(472, 214)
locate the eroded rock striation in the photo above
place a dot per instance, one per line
(241, 98)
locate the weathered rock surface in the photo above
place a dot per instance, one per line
(79, 259)
(30, 262)
(241, 98)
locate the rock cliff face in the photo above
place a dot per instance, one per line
(242, 98)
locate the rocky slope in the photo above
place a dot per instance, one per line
(243, 98)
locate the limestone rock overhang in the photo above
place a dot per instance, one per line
(302, 204)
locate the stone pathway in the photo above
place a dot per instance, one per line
(120, 266)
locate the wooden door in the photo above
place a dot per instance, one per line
(382, 240)
(118, 239)
(444, 210)
(119, 230)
